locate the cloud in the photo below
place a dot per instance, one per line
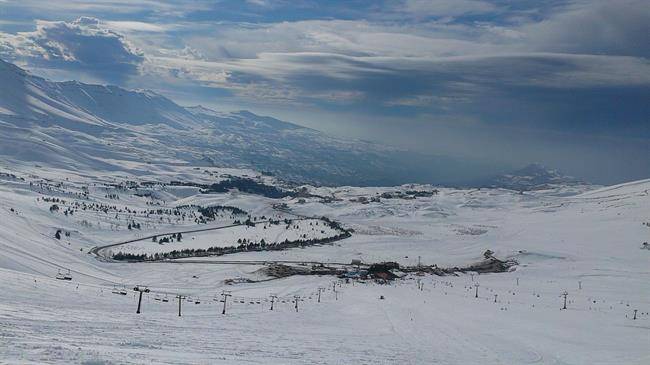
(84, 44)
(438, 8)
(76, 8)
(343, 57)
(395, 63)
(136, 26)
(595, 27)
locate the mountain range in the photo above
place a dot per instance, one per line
(86, 127)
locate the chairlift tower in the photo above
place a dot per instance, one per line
(140, 290)
(225, 294)
(296, 299)
(273, 298)
(565, 294)
(180, 300)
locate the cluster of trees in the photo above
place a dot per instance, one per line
(213, 211)
(134, 225)
(247, 186)
(409, 194)
(129, 257)
(57, 235)
(333, 224)
(59, 188)
(422, 193)
(167, 239)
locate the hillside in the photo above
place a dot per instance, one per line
(79, 126)
(585, 242)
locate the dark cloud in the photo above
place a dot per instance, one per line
(619, 27)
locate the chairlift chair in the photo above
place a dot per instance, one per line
(60, 276)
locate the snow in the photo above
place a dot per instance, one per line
(88, 145)
(585, 242)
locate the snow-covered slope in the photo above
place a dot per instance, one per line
(78, 106)
(81, 126)
(588, 244)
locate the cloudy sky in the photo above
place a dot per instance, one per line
(561, 82)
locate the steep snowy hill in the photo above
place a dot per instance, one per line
(81, 126)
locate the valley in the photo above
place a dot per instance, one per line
(561, 240)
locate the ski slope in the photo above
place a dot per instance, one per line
(587, 243)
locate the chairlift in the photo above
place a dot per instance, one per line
(123, 291)
(115, 291)
(197, 302)
(165, 299)
(157, 298)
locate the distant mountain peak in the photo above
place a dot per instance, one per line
(534, 176)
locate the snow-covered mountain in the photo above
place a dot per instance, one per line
(533, 177)
(92, 177)
(79, 126)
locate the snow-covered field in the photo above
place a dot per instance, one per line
(587, 243)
